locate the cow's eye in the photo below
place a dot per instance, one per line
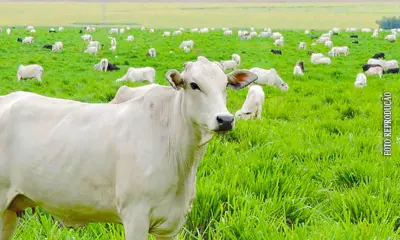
(194, 86)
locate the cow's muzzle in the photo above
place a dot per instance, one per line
(225, 122)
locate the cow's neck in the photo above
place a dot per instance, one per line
(193, 139)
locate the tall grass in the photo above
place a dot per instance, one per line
(311, 168)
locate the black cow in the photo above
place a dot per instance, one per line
(19, 40)
(393, 70)
(336, 34)
(279, 52)
(48, 46)
(379, 55)
(112, 67)
(355, 42)
(354, 36)
(80, 31)
(52, 31)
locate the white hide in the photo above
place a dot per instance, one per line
(30, 71)
(252, 106)
(361, 80)
(269, 77)
(139, 74)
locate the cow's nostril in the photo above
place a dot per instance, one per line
(225, 122)
(219, 120)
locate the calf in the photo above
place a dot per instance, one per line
(252, 106)
(279, 52)
(379, 55)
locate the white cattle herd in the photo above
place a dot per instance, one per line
(147, 183)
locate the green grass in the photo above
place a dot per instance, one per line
(312, 168)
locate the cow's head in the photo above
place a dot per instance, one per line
(204, 86)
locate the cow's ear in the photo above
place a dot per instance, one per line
(239, 79)
(175, 79)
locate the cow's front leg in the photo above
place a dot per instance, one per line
(136, 223)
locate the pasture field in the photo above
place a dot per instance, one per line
(289, 15)
(311, 168)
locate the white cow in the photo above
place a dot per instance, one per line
(188, 43)
(228, 32)
(264, 34)
(228, 64)
(252, 106)
(269, 77)
(92, 50)
(87, 37)
(95, 44)
(279, 42)
(122, 31)
(126, 93)
(336, 51)
(336, 30)
(113, 42)
(113, 48)
(329, 44)
(8, 31)
(152, 52)
(29, 71)
(29, 28)
(193, 30)
(302, 45)
(60, 29)
(361, 80)
(33, 31)
(236, 58)
(366, 30)
(276, 35)
(391, 38)
(130, 38)
(57, 46)
(29, 40)
(72, 167)
(375, 34)
(299, 68)
(203, 30)
(376, 70)
(177, 33)
(102, 65)
(166, 34)
(139, 74)
(151, 30)
(390, 64)
(186, 49)
(113, 30)
(307, 32)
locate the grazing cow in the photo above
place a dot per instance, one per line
(264, 34)
(48, 46)
(279, 52)
(147, 181)
(228, 32)
(279, 42)
(113, 48)
(130, 38)
(276, 35)
(336, 51)
(318, 58)
(121, 30)
(113, 31)
(92, 50)
(105, 65)
(152, 52)
(329, 44)
(177, 33)
(19, 40)
(186, 49)
(299, 68)
(354, 36)
(236, 58)
(29, 71)
(139, 74)
(390, 64)
(252, 106)
(269, 77)
(95, 44)
(57, 46)
(29, 40)
(188, 43)
(379, 55)
(376, 70)
(355, 42)
(194, 30)
(52, 30)
(302, 45)
(228, 64)
(166, 34)
(361, 80)
(87, 38)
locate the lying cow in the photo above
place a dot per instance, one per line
(147, 181)
(105, 65)
(361, 80)
(252, 106)
(355, 42)
(48, 46)
(354, 36)
(139, 74)
(392, 71)
(279, 52)
(269, 77)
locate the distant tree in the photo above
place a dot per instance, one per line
(389, 22)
